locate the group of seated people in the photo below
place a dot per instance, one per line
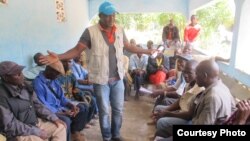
(192, 93)
(156, 70)
(198, 97)
(52, 104)
(60, 102)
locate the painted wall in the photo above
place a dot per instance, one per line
(243, 50)
(240, 42)
(30, 26)
(135, 6)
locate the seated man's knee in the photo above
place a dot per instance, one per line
(66, 120)
(83, 107)
(2, 137)
(62, 128)
(162, 123)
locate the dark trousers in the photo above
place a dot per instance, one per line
(95, 105)
(92, 109)
(163, 100)
(127, 88)
(138, 81)
(77, 123)
(94, 100)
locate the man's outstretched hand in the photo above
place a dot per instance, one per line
(152, 51)
(49, 59)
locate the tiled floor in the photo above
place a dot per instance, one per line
(135, 118)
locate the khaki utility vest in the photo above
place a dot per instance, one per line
(98, 55)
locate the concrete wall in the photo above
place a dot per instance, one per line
(30, 26)
(237, 89)
(243, 50)
(240, 42)
(139, 6)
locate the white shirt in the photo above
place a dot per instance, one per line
(138, 63)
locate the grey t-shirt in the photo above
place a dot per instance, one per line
(113, 69)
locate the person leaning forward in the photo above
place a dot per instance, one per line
(104, 44)
(50, 93)
(22, 116)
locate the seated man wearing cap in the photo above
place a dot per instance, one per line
(172, 93)
(182, 104)
(50, 93)
(22, 116)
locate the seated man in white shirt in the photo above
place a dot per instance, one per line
(138, 64)
(172, 93)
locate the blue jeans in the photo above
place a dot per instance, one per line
(164, 127)
(167, 139)
(166, 101)
(160, 108)
(113, 94)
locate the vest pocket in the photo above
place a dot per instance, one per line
(96, 62)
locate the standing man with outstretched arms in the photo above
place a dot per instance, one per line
(104, 43)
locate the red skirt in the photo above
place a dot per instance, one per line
(158, 77)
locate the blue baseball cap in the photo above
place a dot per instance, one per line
(107, 8)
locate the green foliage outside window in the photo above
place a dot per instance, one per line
(210, 18)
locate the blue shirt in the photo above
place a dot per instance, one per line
(78, 71)
(80, 74)
(55, 102)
